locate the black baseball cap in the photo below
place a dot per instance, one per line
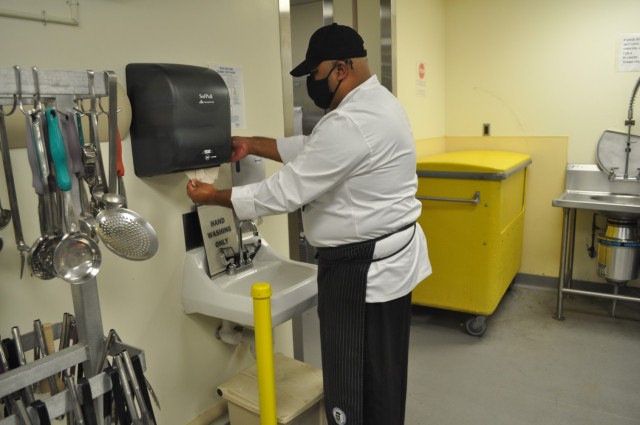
(330, 42)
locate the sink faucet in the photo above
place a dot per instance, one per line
(626, 177)
(246, 258)
(246, 251)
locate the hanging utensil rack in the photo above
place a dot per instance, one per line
(86, 304)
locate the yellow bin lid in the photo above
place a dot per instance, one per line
(481, 165)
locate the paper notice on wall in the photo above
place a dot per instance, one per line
(629, 52)
(233, 78)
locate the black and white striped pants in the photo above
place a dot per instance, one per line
(364, 345)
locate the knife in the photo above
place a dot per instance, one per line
(118, 396)
(137, 367)
(88, 409)
(17, 339)
(128, 395)
(22, 412)
(44, 352)
(75, 404)
(143, 402)
(43, 412)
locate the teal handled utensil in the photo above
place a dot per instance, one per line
(77, 257)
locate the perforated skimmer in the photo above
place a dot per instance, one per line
(127, 234)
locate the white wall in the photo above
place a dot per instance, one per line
(141, 300)
(543, 68)
(420, 37)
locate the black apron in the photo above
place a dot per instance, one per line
(342, 288)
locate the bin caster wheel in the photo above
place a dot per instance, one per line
(476, 326)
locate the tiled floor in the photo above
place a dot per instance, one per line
(527, 369)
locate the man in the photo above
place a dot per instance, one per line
(354, 178)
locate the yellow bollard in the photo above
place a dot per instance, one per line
(261, 294)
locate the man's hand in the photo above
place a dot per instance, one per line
(264, 147)
(240, 148)
(207, 194)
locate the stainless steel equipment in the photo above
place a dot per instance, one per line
(612, 189)
(619, 250)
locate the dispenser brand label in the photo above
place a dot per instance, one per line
(206, 98)
(209, 154)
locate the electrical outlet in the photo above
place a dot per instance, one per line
(486, 129)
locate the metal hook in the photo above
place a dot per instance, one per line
(36, 88)
(102, 108)
(79, 108)
(13, 108)
(18, 74)
(92, 96)
(92, 90)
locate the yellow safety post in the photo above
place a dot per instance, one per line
(261, 294)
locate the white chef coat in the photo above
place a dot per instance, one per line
(354, 178)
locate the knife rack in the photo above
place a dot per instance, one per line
(86, 304)
(38, 370)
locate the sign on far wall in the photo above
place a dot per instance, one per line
(629, 52)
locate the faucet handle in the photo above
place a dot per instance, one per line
(612, 173)
(227, 256)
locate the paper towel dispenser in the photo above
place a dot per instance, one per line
(181, 118)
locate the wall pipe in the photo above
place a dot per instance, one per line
(235, 334)
(261, 294)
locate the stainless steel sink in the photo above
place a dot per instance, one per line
(618, 199)
(587, 187)
(610, 204)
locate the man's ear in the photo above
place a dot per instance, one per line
(342, 69)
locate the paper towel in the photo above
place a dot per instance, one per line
(205, 175)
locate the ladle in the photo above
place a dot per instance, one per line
(40, 267)
(100, 187)
(76, 258)
(72, 139)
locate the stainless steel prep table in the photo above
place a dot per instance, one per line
(588, 188)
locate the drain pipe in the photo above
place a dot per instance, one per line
(235, 334)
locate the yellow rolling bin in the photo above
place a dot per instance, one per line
(473, 205)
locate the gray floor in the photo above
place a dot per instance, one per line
(528, 368)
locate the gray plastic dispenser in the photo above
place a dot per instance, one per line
(181, 118)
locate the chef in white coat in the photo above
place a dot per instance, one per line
(354, 179)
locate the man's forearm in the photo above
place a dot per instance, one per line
(264, 147)
(222, 198)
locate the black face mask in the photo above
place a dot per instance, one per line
(319, 92)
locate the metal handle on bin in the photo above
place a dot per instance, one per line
(475, 200)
